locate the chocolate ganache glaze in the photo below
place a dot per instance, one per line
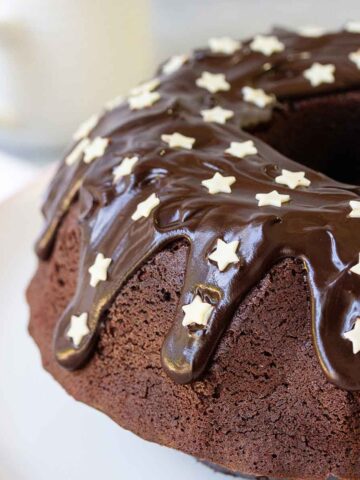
(314, 224)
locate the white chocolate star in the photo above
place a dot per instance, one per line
(355, 57)
(78, 328)
(174, 63)
(176, 139)
(197, 312)
(356, 268)
(145, 87)
(311, 31)
(355, 212)
(224, 253)
(143, 100)
(114, 102)
(125, 168)
(95, 149)
(257, 96)
(146, 207)
(242, 149)
(273, 198)
(217, 115)
(318, 74)
(354, 336)
(266, 44)
(292, 179)
(225, 45)
(76, 152)
(86, 127)
(352, 27)
(213, 82)
(98, 270)
(218, 184)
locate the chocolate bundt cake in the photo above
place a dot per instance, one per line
(199, 273)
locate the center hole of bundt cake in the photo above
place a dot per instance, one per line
(322, 133)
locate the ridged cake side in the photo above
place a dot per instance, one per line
(263, 408)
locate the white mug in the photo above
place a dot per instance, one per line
(61, 60)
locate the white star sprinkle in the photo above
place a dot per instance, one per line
(355, 212)
(76, 152)
(257, 96)
(114, 102)
(146, 207)
(217, 115)
(354, 336)
(242, 149)
(197, 312)
(225, 253)
(218, 184)
(225, 45)
(143, 100)
(176, 139)
(318, 74)
(356, 268)
(213, 82)
(266, 44)
(78, 328)
(352, 27)
(273, 198)
(355, 57)
(98, 270)
(95, 149)
(125, 168)
(86, 127)
(311, 31)
(174, 63)
(292, 179)
(145, 87)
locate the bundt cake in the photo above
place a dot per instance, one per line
(198, 275)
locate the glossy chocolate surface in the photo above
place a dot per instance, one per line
(314, 225)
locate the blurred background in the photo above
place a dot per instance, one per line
(61, 60)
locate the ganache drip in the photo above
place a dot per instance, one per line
(314, 225)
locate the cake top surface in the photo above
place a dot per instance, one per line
(173, 160)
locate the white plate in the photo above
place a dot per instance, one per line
(44, 433)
